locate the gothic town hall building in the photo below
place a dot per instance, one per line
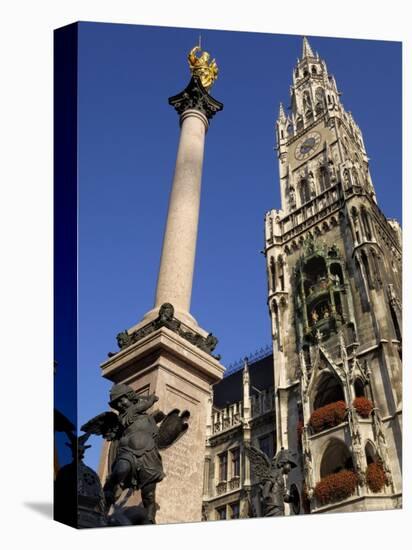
(331, 391)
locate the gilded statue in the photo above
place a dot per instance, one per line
(201, 67)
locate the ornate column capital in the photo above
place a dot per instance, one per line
(195, 97)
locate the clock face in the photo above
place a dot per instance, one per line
(307, 145)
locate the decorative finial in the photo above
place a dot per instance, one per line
(282, 115)
(306, 50)
(201, 67)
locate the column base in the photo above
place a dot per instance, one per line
(180, 374)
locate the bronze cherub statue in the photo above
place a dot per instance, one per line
(270, 476)
(136, 439)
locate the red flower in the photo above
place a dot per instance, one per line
(375, 477)
(328, 416)
(363, 406)
(335, 487)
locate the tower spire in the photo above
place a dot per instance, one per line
(282, 115)
(306, 49)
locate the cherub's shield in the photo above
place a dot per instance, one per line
(172, 428)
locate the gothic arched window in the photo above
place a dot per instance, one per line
(336, 457)
(366, 224)
(272, 274)
(365, 263)
(307, 103)
(304, 191)
(329, 390)
(355, 176)
(281, 273)
(395, 322)
(359, 388)
(314, 71)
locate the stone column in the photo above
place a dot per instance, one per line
(195, 107)
(179, 246)
(167, 353)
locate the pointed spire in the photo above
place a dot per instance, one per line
(306, 50)
(282, 115)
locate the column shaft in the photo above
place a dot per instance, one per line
(179, 245)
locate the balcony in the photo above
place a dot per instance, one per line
(227, 486)
(234, 483)
(227, 418)
(318, 290)
(263, 402)
(336, 487)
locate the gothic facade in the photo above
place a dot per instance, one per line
(334, 295)
(242, 412)
(334, 269)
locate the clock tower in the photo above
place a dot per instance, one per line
(334, 296)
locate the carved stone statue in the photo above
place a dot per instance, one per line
(166, 319)
(346, 178)
(270, 475)
(331, 170)
(136, 440)
(292, 196)
(311, 182)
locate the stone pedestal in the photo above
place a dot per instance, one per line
(180, 374)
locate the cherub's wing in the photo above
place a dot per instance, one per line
(172, 428)
(259, 462)
(62, 423)
(102, 424)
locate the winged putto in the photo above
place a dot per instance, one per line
(136, 438)
(270, 475)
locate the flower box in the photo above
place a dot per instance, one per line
(375, 477)
(328, 416)
(336, 487)
(363, 406)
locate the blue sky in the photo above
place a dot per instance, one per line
(128, 136)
